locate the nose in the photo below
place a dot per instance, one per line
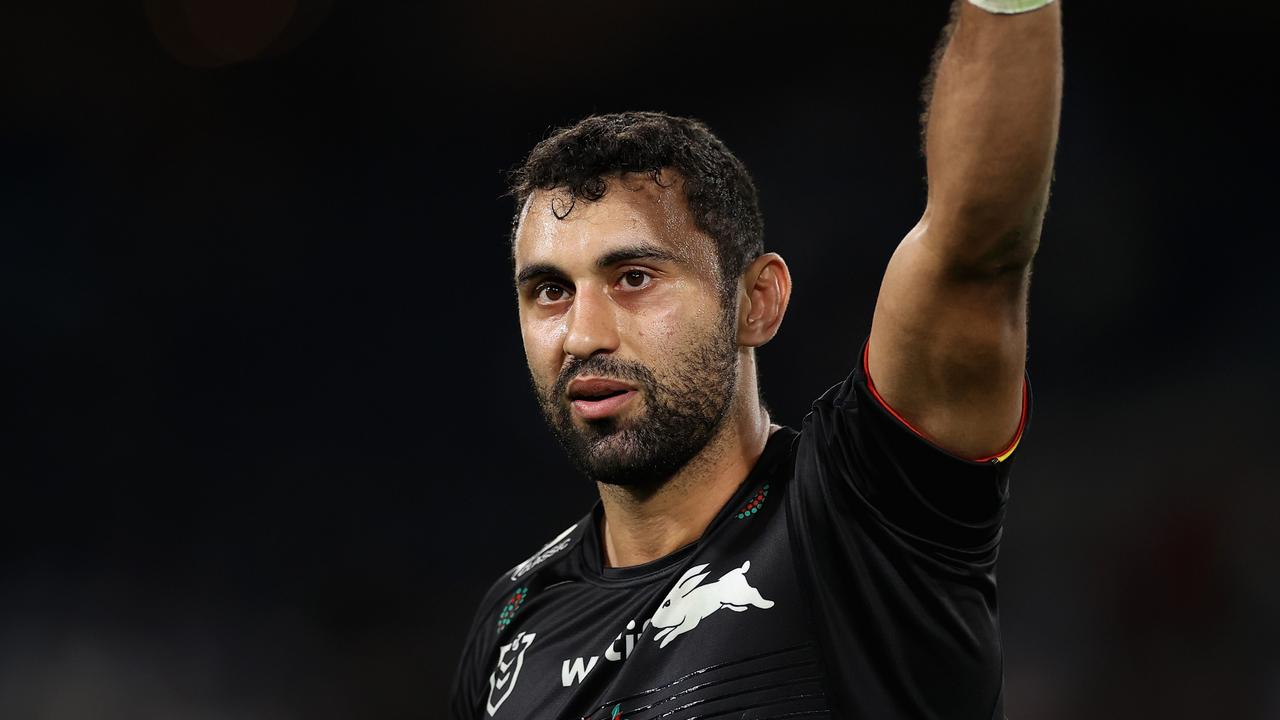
(592, 325)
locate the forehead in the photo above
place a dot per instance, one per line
(634, 210)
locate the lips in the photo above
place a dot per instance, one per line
(598, 398)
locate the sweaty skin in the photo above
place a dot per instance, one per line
(657, 297)
(949, 337)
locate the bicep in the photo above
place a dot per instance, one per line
(948, 347)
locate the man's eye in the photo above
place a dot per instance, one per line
(635, 278)
(550, 293)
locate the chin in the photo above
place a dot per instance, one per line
(630, 475)
(616, 460)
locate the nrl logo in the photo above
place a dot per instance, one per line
(688, 603)
(503, 678)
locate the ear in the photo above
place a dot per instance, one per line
(766, 290)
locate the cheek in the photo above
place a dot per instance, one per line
(668, 327)
(669, 324)
(543, 346)
(698, 313)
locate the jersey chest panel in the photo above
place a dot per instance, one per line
(723, 631)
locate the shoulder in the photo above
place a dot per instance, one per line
(515, 579)
(554, 547)
(501, 603)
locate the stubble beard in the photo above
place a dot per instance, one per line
(680, 414)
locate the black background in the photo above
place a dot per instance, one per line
(267, 427)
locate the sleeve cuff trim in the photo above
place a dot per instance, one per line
(996, 458)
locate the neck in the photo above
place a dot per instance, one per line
(645, 524)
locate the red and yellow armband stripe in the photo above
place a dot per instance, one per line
(998, 457)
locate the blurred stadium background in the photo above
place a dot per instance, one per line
(267, 429)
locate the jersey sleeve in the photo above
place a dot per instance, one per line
(470, 680)
(896, 541)
(872, 461)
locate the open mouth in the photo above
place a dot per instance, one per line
(601, 396)
(598, 398)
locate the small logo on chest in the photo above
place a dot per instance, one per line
(689, 602)
(503, 678)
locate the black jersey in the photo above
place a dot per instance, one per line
(851, 576)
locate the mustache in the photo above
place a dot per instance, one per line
(602, 366)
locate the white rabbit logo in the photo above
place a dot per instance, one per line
(687, 603)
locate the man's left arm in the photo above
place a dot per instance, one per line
(948, 339)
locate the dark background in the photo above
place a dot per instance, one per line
(267, 428)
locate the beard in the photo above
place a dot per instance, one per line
(681, 412)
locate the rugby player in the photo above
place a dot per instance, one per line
(734, 568)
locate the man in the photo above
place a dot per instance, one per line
(733, 568)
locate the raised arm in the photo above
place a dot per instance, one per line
(948, 339)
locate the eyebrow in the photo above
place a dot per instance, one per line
(620, 255)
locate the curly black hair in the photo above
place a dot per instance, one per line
(721, 195)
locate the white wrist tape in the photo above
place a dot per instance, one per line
(1010, 7)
